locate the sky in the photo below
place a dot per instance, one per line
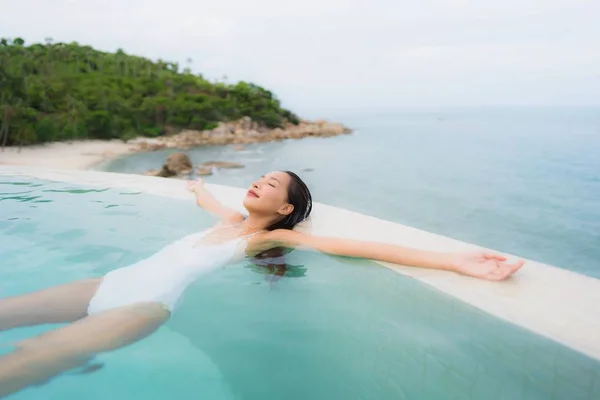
(319, 55)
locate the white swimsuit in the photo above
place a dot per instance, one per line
(164, 276)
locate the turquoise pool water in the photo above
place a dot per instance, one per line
(329, 329)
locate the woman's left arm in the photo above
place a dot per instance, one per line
(482, 265)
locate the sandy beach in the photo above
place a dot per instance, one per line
(84, 154)
(76, 155)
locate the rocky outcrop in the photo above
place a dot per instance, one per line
(177, 164)
(243, 132)
(238, 133)
(221, 164)
(204, 171)
(207, 168)
(150, 146)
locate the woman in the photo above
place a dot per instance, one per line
(130, 303)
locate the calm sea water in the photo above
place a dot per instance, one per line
(329, 329)
(522, 181)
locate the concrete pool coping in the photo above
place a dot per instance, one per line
(556, 303)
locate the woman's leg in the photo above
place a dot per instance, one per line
(64, 303)
(40, 358)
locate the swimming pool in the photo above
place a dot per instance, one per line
(329, 329)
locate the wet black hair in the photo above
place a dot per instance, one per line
(298, 196)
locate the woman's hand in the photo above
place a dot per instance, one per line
(195, 185)
(207, 201)
(487, 266)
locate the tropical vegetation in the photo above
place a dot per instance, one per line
(65, 91)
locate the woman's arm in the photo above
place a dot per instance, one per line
(208, 202)
(480, 265)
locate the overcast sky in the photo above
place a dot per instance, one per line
(328, 54)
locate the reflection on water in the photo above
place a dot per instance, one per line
(274, 265)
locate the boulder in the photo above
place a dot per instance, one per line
(252, 133)
(164, 172)
(221, 164)
(146, 146)
(332, 128)
(246, 123)
(204, 171)
(153, 172)
(179, 164)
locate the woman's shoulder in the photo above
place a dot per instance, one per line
(233, 218)
(280, 237)
(262, 241)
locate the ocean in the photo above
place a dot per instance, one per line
(525, 181)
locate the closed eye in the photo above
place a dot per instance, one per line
(271, 179)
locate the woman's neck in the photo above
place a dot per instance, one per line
(258, 222)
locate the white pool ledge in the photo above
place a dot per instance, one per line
(553, 302)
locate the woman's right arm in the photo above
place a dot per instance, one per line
(208, 202)
(481, 265)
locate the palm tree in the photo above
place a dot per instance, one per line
(188, 69)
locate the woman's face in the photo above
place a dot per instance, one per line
(269, 195)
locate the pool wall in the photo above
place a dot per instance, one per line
(554, 302)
